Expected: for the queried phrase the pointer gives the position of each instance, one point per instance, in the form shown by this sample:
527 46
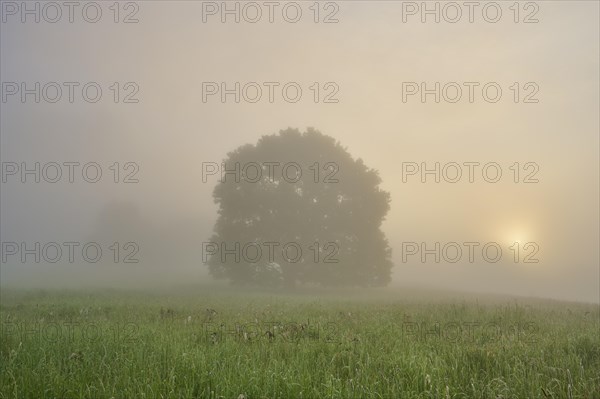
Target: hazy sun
519 235
518 238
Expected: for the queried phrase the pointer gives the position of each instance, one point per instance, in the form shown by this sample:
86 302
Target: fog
362 65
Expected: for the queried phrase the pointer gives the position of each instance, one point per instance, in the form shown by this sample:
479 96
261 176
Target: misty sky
368 55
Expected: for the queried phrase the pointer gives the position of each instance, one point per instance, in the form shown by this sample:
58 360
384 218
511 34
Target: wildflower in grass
76 356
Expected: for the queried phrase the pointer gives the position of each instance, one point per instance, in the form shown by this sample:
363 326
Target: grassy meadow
220 343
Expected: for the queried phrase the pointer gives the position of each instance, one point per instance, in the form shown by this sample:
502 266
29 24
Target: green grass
104 344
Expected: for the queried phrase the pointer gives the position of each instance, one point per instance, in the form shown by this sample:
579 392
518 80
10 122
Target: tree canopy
296 208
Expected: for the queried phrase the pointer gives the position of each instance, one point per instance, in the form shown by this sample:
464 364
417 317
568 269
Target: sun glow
520 235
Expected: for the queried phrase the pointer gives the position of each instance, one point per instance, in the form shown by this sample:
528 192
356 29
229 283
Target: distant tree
304 190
